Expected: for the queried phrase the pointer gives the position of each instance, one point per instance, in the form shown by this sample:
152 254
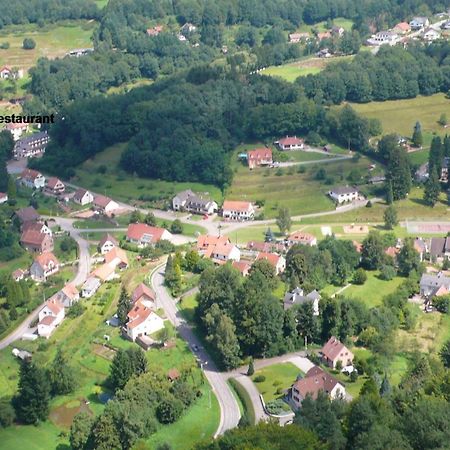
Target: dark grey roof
437 246
28 214
184 195
297 297
32 138
344 190
434 281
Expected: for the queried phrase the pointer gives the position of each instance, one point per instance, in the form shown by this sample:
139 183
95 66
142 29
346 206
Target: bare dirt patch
103 351
356 229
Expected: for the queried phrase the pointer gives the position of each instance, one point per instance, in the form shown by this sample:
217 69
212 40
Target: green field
302 193
322 26
399 116
51 41
278 376
301 68
373 290
122 186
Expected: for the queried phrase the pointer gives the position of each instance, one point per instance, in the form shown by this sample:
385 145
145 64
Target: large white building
344 194
237 210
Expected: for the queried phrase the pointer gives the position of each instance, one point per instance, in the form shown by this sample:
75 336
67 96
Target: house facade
334 351
259 157
17 129
32 179
55 186
31 146
107 243
276 261
193 203
290 143
104 205
237 210
316 380
83 197
44 266
344 194
218 248
142 321
50 316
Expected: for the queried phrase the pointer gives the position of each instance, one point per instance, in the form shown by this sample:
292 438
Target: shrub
76 310
4 45
360 276
169 410
176 227
102 169
28 44
7 413
259 379
387 272
353 376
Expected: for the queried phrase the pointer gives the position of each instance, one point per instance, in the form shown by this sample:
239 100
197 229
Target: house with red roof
145 295
67 296
243 267
333 351
44 266
55 186
35 241
144 235
117 257
314 381
238 210
300 237
142 321
277 261
154 31
32 179
218 248
104 205
402 28
259 157
290 143
50 316
17 129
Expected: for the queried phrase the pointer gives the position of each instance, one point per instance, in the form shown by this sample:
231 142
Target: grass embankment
245 399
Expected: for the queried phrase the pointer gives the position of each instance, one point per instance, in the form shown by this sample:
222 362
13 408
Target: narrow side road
229 409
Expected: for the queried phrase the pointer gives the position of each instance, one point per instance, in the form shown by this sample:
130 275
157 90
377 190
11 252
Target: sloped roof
32 237
300 236
290 140
79 194
272 258
137 230
314 381
115 254
233 205
53 182
30 174
45 258
70 290
142 290
27 214
108 237
102 201
332 348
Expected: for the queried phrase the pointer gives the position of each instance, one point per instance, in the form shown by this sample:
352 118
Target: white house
45 265
290 143
55 186
237 210
142 320
83 197
50 316
431 35
218 248
277 261
67 296
90 287
343 194
297 297
32 179
314 381
189 201
3 197
301 237
17 129
105 205
419 23
107 243
383 37
143 234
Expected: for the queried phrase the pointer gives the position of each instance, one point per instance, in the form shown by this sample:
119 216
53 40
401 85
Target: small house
297 297
343 194
334 351
107 243
32 179
238 210
142 321
193 203
90 287
276 261
144 235
36 242
117 257
83 197
104 205
419 23
55 186
300 237
68 295
290 143
259 157
218 248
50 316
145 295
44 266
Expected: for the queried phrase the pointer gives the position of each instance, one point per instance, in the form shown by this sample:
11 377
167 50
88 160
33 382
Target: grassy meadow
400 116
51 41
128 188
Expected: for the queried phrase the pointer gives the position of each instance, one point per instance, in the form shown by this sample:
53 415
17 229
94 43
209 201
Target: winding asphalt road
84 267
229 408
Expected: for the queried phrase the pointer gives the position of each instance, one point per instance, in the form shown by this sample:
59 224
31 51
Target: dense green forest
183 128
391 74
45 11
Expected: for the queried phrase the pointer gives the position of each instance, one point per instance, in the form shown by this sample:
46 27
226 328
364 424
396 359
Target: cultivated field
399 116
51 41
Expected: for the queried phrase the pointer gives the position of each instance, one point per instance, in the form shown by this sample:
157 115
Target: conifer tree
417 138
432 189
123 307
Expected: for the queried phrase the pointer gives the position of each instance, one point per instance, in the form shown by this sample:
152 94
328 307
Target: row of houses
31 146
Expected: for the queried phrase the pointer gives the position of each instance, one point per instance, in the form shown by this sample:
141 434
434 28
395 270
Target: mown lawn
128 188
51 41
278 376
187 306
373 290
399 116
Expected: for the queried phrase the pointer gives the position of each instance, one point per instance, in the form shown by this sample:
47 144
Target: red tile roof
116 253
290 140
53 182
45 258
47 320
137 230
332 348
30 174
54 306
32 237
273 258
70 291
242 266
232 205
315 380
259 154
142 290
299 236
102 201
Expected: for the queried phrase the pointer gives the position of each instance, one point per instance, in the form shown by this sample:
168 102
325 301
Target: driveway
229 409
